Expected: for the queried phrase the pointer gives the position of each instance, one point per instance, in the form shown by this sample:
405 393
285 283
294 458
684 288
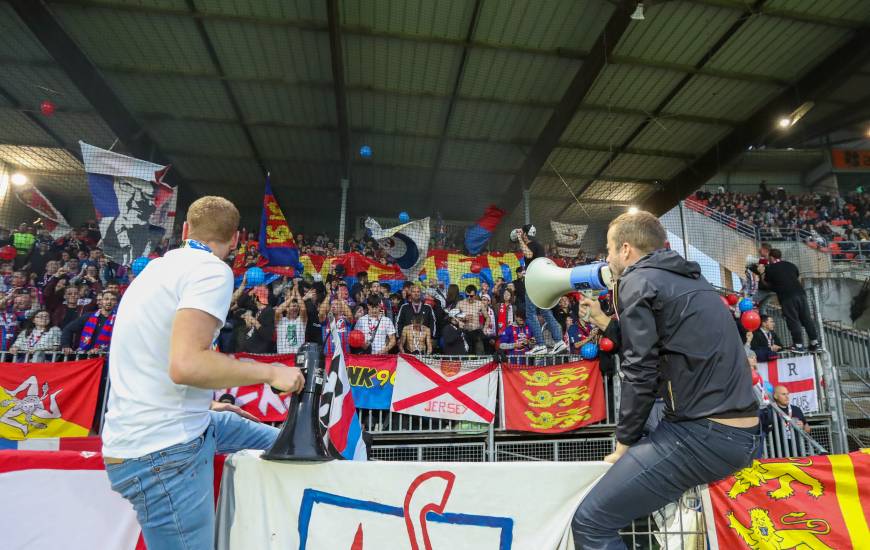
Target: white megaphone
546 282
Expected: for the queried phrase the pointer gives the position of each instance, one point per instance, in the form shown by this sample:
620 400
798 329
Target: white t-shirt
291 335
376 331
148 412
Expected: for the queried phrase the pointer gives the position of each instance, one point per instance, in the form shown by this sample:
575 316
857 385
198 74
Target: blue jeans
172 490
655 471
535 326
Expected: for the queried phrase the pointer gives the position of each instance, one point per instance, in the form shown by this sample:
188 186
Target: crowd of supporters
840 223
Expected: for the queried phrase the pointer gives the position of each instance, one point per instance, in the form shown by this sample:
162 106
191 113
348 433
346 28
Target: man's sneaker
814 346
540 349
559 347
798 348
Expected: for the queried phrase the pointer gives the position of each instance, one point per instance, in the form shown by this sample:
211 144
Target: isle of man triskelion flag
48 399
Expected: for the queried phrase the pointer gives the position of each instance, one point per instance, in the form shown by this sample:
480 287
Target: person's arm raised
192 362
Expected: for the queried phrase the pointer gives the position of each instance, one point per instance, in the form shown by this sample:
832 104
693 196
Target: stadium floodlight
633 210
784 122
637 15
796 115
18 178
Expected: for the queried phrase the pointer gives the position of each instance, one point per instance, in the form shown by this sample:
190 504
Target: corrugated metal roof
777 47
112 37
268 102
471 155
244 172
40 158
16 128
516 76
665 134
576 161
30 85
306 10
403 151
721 98
615 190
391 113
181 97
543 24
200 138
852 10
257 51
853 90
629 86
444 19
601 128
16 40
676 32
292 143
400 64
472 119
87 127
644 166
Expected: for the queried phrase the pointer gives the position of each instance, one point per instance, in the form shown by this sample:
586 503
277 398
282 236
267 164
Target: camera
528 229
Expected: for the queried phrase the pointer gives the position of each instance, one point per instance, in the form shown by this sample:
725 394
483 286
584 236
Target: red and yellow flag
552 399
816 503
48 399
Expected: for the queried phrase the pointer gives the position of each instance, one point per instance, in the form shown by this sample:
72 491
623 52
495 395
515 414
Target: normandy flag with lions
811 503
276 243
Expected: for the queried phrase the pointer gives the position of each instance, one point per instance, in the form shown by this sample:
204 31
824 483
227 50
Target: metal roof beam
830 72
231 96
87 78
574 94
784 13
338 86
451 104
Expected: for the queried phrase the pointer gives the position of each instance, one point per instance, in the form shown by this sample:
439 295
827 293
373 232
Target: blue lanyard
196 245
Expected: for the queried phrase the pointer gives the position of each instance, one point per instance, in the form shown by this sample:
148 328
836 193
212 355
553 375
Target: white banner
567 234
798 375
441 388
408 243
346 505
62 500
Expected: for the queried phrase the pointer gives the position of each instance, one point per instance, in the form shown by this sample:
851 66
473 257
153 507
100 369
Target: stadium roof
463 102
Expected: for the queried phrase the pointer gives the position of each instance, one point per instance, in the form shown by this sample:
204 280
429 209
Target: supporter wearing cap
452 339
259 323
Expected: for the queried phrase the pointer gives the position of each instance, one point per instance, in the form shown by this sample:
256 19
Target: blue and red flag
276 240
479 234
342 427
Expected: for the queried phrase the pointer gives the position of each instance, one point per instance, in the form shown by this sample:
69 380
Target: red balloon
733 299
725 301
356 339
606 345
475 268
47 107
8 252
750 320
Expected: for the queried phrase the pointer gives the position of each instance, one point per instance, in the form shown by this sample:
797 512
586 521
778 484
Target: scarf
103 338
504 317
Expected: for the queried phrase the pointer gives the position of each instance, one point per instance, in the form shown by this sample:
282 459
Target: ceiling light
784 122
633 210
18 178
637 15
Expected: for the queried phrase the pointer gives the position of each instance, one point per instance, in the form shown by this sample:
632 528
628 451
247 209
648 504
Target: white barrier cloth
347 505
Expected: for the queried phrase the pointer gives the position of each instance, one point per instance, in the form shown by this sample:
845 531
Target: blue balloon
254 276
139 264
404 217
746 304
589 351
603 293
365 151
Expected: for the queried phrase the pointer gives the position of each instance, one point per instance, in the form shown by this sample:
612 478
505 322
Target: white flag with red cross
443 388
798 375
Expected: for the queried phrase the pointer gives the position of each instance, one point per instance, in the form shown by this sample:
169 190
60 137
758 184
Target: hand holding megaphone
546 282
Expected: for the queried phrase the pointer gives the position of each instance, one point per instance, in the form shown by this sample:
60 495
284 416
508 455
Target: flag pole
345 183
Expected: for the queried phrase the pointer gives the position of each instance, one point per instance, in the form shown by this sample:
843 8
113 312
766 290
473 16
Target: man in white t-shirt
376 327
162 429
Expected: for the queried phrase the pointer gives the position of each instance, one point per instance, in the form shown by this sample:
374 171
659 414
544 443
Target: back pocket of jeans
179 455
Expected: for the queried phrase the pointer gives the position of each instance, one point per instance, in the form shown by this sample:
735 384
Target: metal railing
787 438
746 229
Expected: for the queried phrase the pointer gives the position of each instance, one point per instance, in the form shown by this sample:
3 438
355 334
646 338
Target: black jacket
760 346
783 278
678 341
406 317
454 342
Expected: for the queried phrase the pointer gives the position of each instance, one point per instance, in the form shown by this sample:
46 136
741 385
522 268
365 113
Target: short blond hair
213 219
641 230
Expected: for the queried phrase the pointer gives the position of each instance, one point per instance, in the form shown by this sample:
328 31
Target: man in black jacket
676 340
415 306
765 343
783 278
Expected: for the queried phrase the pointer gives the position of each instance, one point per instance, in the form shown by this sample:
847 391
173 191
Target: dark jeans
656 471
475 341
797 312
